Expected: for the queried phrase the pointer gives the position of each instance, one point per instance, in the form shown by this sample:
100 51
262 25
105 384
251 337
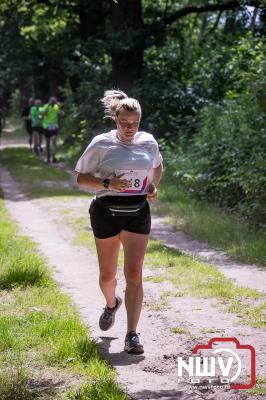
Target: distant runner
2 122
123 167
27 121
51 113
36 126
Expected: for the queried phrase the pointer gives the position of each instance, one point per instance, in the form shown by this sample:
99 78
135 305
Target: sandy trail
152 375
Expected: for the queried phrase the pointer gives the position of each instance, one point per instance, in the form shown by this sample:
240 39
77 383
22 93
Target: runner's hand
118 184
152 192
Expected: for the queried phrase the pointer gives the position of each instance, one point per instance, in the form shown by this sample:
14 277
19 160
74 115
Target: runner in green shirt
51 113
36 125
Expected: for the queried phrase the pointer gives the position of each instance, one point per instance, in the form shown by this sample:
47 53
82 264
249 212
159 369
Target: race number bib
138 179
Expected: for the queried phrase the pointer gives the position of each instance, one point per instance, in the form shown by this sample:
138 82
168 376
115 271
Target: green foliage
84 116
224 161
100 389
15 103
33 46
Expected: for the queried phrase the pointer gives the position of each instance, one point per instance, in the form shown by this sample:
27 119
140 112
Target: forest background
198 68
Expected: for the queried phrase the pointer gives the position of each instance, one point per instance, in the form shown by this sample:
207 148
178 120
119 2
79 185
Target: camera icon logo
222 361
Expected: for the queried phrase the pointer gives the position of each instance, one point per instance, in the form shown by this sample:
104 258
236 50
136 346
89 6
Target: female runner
123 167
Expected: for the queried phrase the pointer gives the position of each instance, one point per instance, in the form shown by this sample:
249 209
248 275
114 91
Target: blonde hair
114 100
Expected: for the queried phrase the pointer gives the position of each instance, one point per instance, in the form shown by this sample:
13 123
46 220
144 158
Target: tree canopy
191 64
47 42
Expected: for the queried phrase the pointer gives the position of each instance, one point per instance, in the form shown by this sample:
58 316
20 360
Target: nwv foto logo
224 363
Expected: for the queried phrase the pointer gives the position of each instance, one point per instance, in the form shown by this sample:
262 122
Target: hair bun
111 101
114 100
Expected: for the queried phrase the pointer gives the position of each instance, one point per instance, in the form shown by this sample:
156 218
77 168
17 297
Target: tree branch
216 23
229 5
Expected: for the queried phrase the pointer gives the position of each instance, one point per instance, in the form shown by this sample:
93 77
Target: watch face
105 183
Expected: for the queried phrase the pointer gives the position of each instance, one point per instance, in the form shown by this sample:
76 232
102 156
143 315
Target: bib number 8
137 178
135 183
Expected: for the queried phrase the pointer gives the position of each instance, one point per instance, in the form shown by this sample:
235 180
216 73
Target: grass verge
45 351
37 178
210 224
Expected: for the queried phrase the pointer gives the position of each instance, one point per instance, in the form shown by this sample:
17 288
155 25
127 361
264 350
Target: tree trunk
128 42
91 17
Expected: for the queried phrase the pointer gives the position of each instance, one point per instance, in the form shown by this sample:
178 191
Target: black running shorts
37 129
105 226
50 132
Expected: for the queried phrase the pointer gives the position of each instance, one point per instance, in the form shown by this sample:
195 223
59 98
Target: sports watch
105 183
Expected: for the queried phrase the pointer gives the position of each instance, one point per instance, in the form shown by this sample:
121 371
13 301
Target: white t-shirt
107 156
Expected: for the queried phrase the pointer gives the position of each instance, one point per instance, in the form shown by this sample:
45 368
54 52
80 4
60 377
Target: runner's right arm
90 181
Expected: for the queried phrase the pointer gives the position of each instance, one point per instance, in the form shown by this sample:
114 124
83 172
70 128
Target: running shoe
107 319
133 344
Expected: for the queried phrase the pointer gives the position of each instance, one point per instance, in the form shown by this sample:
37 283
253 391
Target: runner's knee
107 277
134 276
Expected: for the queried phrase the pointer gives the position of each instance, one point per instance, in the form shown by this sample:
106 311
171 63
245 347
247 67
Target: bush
224 163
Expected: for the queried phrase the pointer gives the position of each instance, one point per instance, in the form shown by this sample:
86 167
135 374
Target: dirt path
153 375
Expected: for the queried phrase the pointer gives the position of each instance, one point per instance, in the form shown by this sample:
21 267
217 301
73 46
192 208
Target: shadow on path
121 358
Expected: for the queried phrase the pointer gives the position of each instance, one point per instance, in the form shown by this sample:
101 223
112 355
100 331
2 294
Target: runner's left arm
157 173
152 191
